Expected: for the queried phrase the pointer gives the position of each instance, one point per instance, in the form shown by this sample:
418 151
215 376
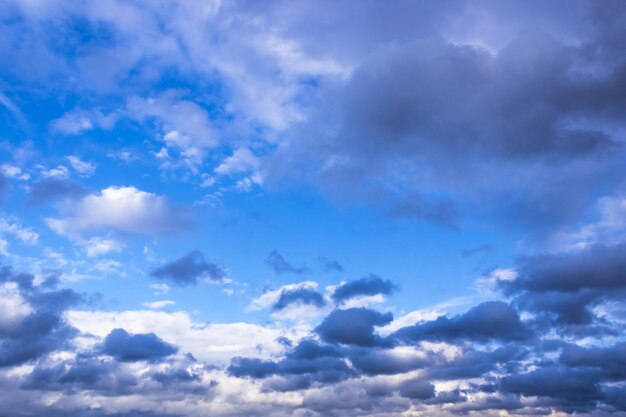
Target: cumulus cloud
136 347
122 209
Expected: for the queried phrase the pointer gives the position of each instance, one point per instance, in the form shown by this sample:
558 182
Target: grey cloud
278 263
299 296
330 265
41 331
189 269
136 347
52 189
369 285
354 326
493 320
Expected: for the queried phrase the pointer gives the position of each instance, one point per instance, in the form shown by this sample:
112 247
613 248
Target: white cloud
3 247
58 172
160 289
123 209
97 246
83 168
10 170
23 234
79 121
156 305
246 184
242 160
488 284
610 228
13 308
212 342
185 125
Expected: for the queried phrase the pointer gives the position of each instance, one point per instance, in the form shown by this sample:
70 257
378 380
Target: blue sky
312 208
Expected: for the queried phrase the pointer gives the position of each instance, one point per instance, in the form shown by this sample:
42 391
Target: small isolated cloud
278 263
242 160
127 347
122 209
156 305
189 269
160 289
83 168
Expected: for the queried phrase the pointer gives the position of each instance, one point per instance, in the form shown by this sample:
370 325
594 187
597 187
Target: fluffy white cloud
123 209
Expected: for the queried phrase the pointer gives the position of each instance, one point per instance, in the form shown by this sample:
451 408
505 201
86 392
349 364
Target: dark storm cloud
493 320
189 269
136 347
41 331
307 363
567 286
354 326
83 374
299 296
423 126
574 390
369 285
382 362
52 189
278 263
417 389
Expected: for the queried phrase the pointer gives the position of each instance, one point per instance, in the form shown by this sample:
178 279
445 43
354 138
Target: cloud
298 296
122 209
97 246
492 320
367 286
242 160
156 305
35 325
189 269
137 347
79 121
354 326
330 265
276 261
83 168
52 189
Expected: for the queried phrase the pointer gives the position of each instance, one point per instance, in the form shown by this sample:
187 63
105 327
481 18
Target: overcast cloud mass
312 208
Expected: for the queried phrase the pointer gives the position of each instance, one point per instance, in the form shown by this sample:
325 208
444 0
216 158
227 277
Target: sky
312 208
